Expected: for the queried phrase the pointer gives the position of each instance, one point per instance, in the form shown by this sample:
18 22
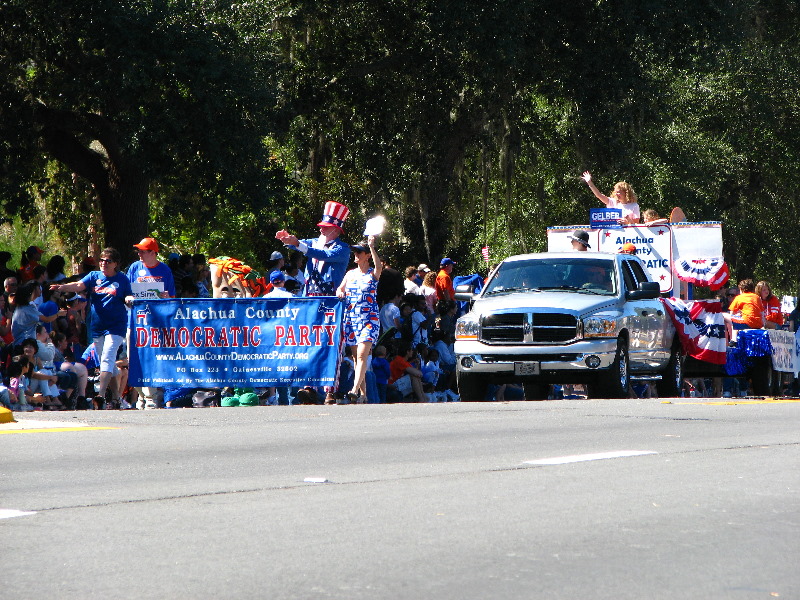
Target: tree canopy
214 123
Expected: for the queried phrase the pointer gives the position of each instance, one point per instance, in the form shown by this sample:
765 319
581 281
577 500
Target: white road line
8 513
562 460
33 424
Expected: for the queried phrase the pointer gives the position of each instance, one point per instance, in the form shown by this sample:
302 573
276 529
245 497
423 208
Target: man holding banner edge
328 257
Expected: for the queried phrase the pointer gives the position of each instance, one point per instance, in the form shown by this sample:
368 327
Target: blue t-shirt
139 273
107 296
382 369
48 309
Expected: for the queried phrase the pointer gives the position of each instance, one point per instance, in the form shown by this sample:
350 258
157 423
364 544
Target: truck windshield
595 275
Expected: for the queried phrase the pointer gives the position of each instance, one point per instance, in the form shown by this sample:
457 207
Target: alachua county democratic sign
653 247
246 342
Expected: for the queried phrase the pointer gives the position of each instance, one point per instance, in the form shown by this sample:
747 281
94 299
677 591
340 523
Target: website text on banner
234 341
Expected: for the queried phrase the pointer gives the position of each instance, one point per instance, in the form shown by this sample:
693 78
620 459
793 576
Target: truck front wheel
472 387
616 383
671 382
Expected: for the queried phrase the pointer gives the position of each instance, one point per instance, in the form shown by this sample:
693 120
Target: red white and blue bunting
709 272
700 327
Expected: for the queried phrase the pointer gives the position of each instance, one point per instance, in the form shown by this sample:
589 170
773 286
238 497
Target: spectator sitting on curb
406 378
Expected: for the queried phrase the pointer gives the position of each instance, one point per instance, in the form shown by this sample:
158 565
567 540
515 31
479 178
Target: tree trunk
125 209
120 184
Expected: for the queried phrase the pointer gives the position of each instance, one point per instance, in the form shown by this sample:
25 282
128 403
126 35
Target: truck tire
472 387
671 382
616 383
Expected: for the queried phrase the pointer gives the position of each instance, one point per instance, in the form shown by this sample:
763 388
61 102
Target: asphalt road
421 501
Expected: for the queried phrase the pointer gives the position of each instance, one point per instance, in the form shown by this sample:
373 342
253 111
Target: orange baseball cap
147 244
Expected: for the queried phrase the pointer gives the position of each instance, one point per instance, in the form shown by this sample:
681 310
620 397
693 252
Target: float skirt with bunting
247 342
700 327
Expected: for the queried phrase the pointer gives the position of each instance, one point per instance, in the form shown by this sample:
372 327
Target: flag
700 327
485 253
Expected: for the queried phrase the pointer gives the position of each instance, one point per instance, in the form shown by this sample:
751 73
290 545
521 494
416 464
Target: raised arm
587 177
376 260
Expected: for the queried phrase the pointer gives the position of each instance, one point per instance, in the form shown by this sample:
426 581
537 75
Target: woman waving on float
361 318
622 197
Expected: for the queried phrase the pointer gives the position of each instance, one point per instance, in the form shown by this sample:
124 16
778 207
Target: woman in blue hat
361 324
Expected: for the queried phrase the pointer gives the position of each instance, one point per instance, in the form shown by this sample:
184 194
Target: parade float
683 256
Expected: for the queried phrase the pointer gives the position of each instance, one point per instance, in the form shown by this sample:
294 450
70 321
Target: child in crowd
347 371
431 369
18 371
650 217
45 365
382 371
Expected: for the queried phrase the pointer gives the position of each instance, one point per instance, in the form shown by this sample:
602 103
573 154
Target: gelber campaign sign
253 342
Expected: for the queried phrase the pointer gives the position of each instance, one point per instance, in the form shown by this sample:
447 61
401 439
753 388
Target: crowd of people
64 336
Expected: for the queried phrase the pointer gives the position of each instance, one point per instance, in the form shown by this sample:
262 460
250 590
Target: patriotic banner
711 272
700 327
485 253
243 342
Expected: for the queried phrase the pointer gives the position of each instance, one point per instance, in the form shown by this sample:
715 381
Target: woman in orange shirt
747 310
772 306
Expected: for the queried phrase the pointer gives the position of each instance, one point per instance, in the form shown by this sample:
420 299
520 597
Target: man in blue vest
327 255
327 259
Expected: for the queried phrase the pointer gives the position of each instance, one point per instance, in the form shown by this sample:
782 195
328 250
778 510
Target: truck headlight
598 327
467 328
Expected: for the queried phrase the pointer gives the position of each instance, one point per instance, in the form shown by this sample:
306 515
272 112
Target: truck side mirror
465 292
648 290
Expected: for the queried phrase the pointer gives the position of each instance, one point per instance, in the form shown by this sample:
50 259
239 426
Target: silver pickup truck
578 317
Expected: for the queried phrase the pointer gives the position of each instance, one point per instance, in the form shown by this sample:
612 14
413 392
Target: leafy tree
132 93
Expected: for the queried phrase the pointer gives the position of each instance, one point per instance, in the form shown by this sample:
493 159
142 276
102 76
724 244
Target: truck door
652 319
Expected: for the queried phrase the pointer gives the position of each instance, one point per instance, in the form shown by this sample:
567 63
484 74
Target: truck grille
528 328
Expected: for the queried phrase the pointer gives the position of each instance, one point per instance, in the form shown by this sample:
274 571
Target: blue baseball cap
446 262
276 276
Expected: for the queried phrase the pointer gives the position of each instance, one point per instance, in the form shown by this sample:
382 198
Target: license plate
526 368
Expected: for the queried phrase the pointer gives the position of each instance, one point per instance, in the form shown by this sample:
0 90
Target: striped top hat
335 214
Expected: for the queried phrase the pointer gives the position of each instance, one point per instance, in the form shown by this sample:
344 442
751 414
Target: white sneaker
124 404
149 405
140 404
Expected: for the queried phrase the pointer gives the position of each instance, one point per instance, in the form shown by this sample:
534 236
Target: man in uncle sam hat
327 255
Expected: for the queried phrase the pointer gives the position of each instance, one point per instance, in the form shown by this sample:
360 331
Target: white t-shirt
279 292
628 210
420 331
411 287
389 313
